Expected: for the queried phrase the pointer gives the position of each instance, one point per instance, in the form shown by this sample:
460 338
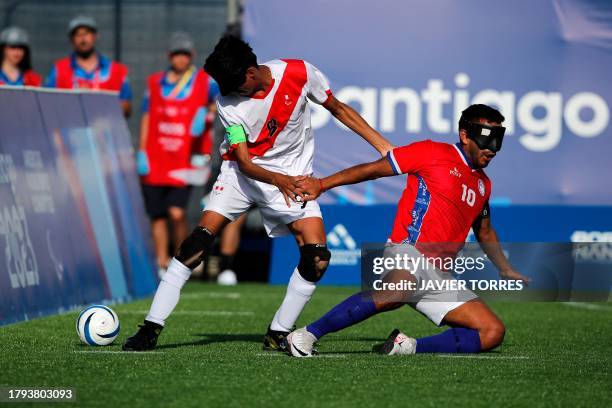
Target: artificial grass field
210 355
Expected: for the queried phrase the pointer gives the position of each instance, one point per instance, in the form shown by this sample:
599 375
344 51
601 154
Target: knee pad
314 259
197 245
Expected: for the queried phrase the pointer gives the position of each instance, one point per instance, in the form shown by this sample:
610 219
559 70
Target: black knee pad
314 259
197 245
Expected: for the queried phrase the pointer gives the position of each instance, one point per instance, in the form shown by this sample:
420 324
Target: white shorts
432 303
233 194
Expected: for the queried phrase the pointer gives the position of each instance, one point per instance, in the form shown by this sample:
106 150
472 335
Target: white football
227 278
97 325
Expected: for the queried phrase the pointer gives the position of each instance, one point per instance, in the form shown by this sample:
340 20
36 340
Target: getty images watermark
415 265
556 271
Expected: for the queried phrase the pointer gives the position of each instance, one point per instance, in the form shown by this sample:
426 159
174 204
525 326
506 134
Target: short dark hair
228 63
478 111
26 61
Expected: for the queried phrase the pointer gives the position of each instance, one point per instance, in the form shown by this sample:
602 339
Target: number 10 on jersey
468 195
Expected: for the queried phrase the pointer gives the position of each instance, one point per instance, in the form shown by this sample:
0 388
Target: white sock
299 292
168 292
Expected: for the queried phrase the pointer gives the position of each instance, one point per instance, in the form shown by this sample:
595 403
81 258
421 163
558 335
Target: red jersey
443 197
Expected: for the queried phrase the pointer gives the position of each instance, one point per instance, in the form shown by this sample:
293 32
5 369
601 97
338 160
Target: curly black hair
480 111
228 63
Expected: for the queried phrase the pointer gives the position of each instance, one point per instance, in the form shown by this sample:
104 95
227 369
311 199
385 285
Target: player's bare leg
309 235
180 228
159 229
229 241
189 255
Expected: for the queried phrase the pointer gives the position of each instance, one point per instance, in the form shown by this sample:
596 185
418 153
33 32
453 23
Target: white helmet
14 36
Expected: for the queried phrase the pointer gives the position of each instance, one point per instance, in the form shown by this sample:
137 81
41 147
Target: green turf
553 355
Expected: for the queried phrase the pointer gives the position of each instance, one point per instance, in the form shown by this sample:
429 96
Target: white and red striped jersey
277 124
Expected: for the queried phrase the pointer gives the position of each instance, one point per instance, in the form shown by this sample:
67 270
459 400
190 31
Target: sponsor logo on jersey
455 172
272 127
342 247
481 187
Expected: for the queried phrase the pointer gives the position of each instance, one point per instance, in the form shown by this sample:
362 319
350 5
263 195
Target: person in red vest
175 141
86 68
15 59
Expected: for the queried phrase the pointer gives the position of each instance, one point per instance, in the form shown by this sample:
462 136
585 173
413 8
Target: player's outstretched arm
314 187
288 185
351 119
487 237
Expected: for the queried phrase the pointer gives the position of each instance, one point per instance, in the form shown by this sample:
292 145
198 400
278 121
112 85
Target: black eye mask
486 137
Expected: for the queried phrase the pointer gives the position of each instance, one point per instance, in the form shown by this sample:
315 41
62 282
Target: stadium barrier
73 229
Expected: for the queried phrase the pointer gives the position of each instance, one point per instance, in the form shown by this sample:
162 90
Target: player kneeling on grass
269 142
446 194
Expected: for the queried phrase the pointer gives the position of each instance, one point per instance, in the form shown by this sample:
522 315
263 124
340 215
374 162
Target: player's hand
386 149
311 187
142 163
288 186
511 274
200 160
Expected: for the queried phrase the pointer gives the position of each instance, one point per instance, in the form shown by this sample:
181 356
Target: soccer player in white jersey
268 149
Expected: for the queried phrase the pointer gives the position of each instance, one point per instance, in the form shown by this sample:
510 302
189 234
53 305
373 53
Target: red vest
170 143
30 78
67 80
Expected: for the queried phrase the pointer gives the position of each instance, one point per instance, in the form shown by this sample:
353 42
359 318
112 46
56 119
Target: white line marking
588 306
275 354
483 356
138 353
214 295
196 312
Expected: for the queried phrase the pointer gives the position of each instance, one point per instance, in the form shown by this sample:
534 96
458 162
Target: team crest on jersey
455 172
481 187
218 189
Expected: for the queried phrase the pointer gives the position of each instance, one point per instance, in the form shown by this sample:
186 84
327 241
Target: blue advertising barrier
410 67
350 226
72 223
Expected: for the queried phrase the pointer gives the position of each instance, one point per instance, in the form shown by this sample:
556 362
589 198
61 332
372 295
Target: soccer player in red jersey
446 194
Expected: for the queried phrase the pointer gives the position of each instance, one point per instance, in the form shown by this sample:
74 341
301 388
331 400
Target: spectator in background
229 242
85 68
16 59
175 141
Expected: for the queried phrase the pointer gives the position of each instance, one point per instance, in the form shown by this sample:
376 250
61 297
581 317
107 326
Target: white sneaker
301 343
227 278
398 343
